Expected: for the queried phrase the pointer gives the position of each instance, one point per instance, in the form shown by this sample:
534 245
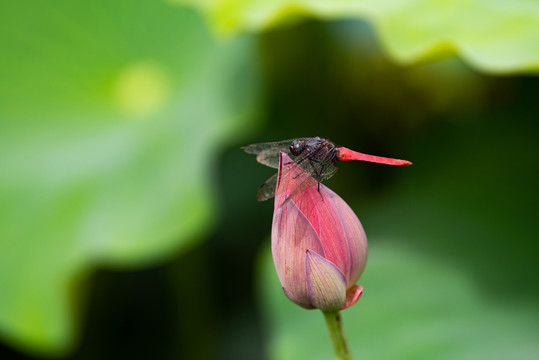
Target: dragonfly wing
293 181
303 176
268 153
320 164
267 189
328 171
269 158
268 146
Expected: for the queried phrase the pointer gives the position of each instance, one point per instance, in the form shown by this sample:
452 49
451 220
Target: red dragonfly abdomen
344 154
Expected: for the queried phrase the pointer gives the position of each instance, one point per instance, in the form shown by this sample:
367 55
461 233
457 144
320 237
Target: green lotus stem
336 333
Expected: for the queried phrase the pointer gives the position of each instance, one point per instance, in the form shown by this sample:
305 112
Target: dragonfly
316 156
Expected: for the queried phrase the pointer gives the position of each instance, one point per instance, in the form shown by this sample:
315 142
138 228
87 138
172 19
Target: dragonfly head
297 147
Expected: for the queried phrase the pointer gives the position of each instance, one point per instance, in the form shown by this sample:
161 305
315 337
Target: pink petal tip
352 296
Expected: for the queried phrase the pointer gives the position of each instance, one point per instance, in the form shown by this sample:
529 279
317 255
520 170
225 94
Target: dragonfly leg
320 192
299 161
318 174
315 171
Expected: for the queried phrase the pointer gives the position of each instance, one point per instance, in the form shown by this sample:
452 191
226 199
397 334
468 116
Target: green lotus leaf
494 36
110 115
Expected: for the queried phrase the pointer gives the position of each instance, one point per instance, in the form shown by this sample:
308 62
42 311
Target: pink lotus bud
318 244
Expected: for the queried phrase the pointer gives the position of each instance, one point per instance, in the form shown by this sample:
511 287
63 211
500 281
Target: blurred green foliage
120 124
497 36
111 113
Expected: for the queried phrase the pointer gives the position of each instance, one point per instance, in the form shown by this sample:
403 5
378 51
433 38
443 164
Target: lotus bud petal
326 285
319 247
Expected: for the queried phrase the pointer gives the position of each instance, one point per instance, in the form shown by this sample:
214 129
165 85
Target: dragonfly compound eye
296 147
